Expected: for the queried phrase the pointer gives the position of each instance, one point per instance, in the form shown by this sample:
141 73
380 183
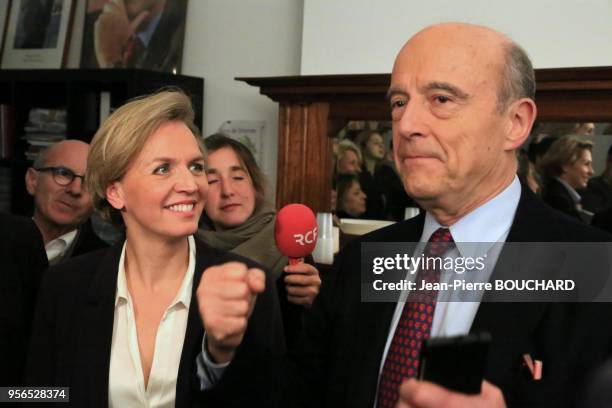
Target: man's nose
411 123
76 187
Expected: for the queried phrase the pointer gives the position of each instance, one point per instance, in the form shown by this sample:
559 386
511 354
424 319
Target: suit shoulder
77 269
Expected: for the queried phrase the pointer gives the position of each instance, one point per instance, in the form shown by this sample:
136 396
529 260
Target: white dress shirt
126 380
56 248
486 225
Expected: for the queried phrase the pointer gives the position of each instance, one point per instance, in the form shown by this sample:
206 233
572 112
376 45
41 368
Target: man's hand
303 283
424 394
112 31
226 297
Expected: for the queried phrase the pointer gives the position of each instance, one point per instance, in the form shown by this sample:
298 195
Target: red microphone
295 231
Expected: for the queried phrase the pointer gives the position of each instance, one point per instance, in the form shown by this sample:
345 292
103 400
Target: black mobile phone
457 363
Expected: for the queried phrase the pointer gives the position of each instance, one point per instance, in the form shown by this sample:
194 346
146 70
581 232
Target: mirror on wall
365 181
555 158
366 184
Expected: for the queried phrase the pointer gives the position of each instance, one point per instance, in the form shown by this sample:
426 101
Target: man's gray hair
518 77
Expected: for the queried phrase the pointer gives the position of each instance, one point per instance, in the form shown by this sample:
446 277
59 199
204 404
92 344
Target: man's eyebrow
395 90
445 86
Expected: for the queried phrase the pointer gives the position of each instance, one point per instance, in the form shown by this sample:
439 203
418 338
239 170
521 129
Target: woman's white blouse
126 380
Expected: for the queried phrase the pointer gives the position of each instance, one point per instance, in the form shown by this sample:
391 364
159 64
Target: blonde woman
124 327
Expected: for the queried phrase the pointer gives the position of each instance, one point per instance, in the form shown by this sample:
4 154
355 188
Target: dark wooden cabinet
79 92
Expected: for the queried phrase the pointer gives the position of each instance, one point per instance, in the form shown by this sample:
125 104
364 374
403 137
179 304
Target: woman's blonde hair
566 150
123 135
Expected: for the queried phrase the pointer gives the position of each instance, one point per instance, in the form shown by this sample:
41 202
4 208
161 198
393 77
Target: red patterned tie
414 326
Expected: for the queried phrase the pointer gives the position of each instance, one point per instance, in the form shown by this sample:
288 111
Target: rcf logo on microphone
307 238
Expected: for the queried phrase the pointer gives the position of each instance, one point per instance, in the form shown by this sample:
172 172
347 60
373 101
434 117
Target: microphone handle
295 261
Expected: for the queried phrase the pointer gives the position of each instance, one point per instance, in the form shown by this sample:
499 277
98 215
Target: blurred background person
240 220
348 158
526 172
584 129
23 262
598 194
372 148
351 200
134 34
567 167
131 334
396 199
62 203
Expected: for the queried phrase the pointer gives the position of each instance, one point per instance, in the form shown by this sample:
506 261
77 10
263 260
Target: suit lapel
503 322
97 332
374 321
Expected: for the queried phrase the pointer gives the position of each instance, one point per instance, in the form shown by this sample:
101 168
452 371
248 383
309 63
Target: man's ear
521 115
114 195
31 180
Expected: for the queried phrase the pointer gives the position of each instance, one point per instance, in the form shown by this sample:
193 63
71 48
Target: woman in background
567 167
121 326
240 220
351 200
371 180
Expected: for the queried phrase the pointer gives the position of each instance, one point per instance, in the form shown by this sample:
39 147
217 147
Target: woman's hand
226 297
303 283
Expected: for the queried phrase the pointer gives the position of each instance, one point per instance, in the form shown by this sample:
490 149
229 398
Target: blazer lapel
97 332
187 382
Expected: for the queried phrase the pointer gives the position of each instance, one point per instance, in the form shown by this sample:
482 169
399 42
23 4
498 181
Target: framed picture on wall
134 34
37 34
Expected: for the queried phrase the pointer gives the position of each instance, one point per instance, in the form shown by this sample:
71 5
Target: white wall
231 38
363 36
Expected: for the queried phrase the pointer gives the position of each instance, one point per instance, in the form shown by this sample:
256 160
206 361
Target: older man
62 205
461 98
462 102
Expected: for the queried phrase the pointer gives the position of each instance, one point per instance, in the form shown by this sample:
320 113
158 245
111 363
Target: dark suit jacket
556 195
165 49
72 334
23 259
603 219
85 241
338 360
597 196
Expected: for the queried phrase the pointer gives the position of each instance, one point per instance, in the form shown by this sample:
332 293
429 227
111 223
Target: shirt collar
573 193
486 224
183 295
58 246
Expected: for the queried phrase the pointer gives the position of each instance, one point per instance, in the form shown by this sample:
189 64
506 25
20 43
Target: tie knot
441 235
439 242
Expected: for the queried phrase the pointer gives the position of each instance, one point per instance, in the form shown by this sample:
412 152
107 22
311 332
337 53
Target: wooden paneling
304 156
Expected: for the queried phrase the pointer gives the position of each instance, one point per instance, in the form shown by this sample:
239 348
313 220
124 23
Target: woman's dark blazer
73 326
556 195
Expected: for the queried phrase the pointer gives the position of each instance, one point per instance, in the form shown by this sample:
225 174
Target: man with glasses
62 204
58 230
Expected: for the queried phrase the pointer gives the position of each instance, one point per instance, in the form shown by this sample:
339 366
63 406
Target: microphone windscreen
295 231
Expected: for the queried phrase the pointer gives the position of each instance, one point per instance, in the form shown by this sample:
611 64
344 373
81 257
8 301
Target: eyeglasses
62 175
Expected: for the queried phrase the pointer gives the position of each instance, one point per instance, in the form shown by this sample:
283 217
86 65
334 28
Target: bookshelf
85 94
